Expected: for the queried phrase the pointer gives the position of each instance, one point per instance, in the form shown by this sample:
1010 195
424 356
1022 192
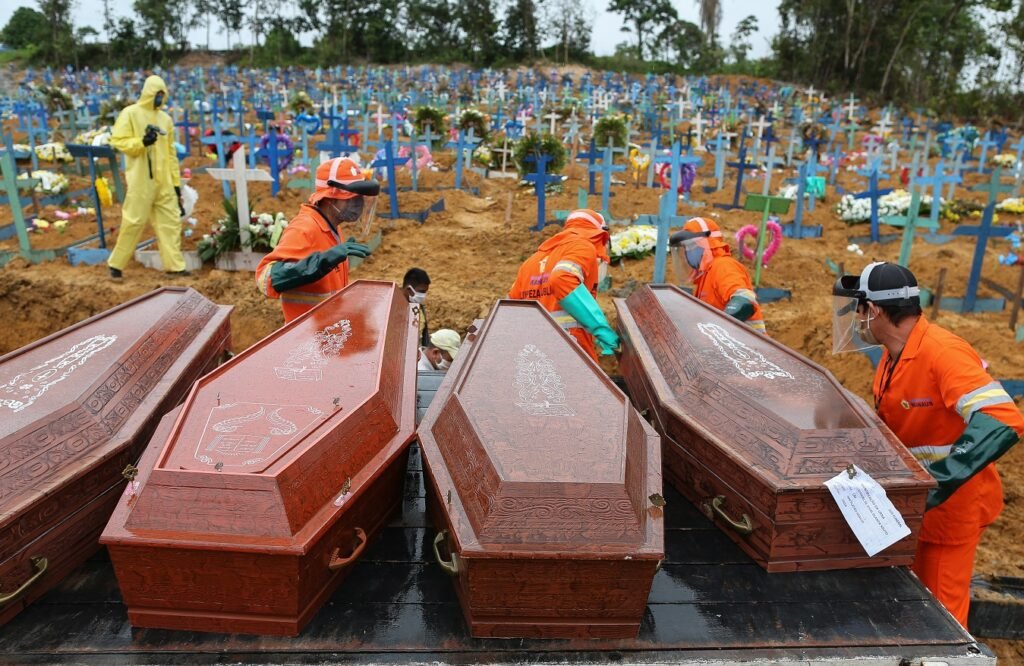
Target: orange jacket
562 263
308 232
935 386
720 282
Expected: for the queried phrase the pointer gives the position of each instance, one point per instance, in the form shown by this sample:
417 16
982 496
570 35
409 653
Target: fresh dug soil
473 248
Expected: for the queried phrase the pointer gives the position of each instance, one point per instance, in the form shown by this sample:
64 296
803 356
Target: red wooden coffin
283 464
751 430
76 408
545 483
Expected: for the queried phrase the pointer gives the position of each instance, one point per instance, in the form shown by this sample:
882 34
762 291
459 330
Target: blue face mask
694 255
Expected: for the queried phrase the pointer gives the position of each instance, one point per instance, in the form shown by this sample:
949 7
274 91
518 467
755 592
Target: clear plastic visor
684 271
848 325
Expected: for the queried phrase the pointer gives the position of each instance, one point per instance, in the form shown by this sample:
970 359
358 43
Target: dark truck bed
709 604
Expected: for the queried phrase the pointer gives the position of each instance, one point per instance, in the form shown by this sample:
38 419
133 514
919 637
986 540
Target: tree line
961 55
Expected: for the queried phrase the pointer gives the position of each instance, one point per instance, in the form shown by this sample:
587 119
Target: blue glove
580 304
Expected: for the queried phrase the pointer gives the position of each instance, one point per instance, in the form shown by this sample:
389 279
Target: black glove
181 207
149 138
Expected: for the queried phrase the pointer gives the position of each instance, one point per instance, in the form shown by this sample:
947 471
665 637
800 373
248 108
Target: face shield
851 318
360 210
691 256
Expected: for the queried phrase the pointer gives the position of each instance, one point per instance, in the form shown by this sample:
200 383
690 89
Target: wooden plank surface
709 601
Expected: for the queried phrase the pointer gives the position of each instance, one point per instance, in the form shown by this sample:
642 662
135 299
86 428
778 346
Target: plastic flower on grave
50 183
1005 160
103 191
60 225
41 224
53 152
1013 205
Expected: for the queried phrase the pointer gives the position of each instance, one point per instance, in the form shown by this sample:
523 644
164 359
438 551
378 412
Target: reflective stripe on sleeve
264 280
747 294
565 320
989 394
757 325
926 455
569 267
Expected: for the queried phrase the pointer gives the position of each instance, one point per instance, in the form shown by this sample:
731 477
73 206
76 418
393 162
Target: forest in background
960 57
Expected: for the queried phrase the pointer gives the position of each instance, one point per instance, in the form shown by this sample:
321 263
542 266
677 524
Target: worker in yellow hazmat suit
145 134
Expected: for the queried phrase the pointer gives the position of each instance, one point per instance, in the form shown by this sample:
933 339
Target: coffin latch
40 564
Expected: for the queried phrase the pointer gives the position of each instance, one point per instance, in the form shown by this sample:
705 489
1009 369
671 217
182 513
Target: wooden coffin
751 430
545 484
283 464
76 408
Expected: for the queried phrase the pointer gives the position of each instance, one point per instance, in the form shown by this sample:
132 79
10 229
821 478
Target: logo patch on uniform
917 402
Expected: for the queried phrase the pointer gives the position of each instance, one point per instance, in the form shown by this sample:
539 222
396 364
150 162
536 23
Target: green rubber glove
740 308
983 442
584 309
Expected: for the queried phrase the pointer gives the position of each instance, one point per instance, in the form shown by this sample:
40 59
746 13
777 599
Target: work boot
176 273
115 273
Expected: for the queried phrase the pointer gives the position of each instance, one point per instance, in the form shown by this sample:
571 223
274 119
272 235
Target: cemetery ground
473 248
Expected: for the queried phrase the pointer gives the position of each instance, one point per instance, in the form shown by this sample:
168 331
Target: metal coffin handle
451 567
339 562
40 564
745 526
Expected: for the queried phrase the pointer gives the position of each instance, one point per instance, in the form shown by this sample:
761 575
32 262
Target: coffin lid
784 416
533 446
278 439
65 399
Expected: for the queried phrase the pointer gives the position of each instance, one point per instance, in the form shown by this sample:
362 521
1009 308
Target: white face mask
443 364
418 297
863 328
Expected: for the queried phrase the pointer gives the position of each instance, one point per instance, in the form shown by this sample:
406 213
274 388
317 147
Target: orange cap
341 169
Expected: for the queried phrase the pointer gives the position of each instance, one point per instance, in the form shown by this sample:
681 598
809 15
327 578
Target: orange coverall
560 264
308 232
933 389
720 282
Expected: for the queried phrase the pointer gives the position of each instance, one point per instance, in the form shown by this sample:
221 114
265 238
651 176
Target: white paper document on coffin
871 515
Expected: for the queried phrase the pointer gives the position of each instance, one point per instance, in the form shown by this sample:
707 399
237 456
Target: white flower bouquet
635 242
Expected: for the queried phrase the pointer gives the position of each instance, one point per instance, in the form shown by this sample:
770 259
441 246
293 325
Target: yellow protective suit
152 175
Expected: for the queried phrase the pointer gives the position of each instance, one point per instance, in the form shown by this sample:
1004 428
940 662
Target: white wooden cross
884 126
504 151
241 176
553 117
683 104
761 125
810 92
501 88
380 116
851 106
698 125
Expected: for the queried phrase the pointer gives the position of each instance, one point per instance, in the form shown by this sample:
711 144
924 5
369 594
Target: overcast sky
606 25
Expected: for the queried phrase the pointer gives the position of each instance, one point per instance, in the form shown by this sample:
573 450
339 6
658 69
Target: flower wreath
286 150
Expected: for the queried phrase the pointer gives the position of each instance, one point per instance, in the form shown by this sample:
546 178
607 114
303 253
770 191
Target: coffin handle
745 526
40 564
339 562
451 567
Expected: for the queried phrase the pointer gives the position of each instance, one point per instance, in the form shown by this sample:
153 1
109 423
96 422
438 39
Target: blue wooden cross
272 153
186 127
665 220
721 147
591 155
335 144
467 141
970 302
389 162
873 193
985 144
741 167
252 145
540 179
92 153
607 167
936 181
222 142
796 228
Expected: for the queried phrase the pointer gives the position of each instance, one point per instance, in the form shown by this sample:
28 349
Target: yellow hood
153 85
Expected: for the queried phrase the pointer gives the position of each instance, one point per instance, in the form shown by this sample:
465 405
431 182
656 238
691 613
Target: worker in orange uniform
562 275
931 388
310 262
718 279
